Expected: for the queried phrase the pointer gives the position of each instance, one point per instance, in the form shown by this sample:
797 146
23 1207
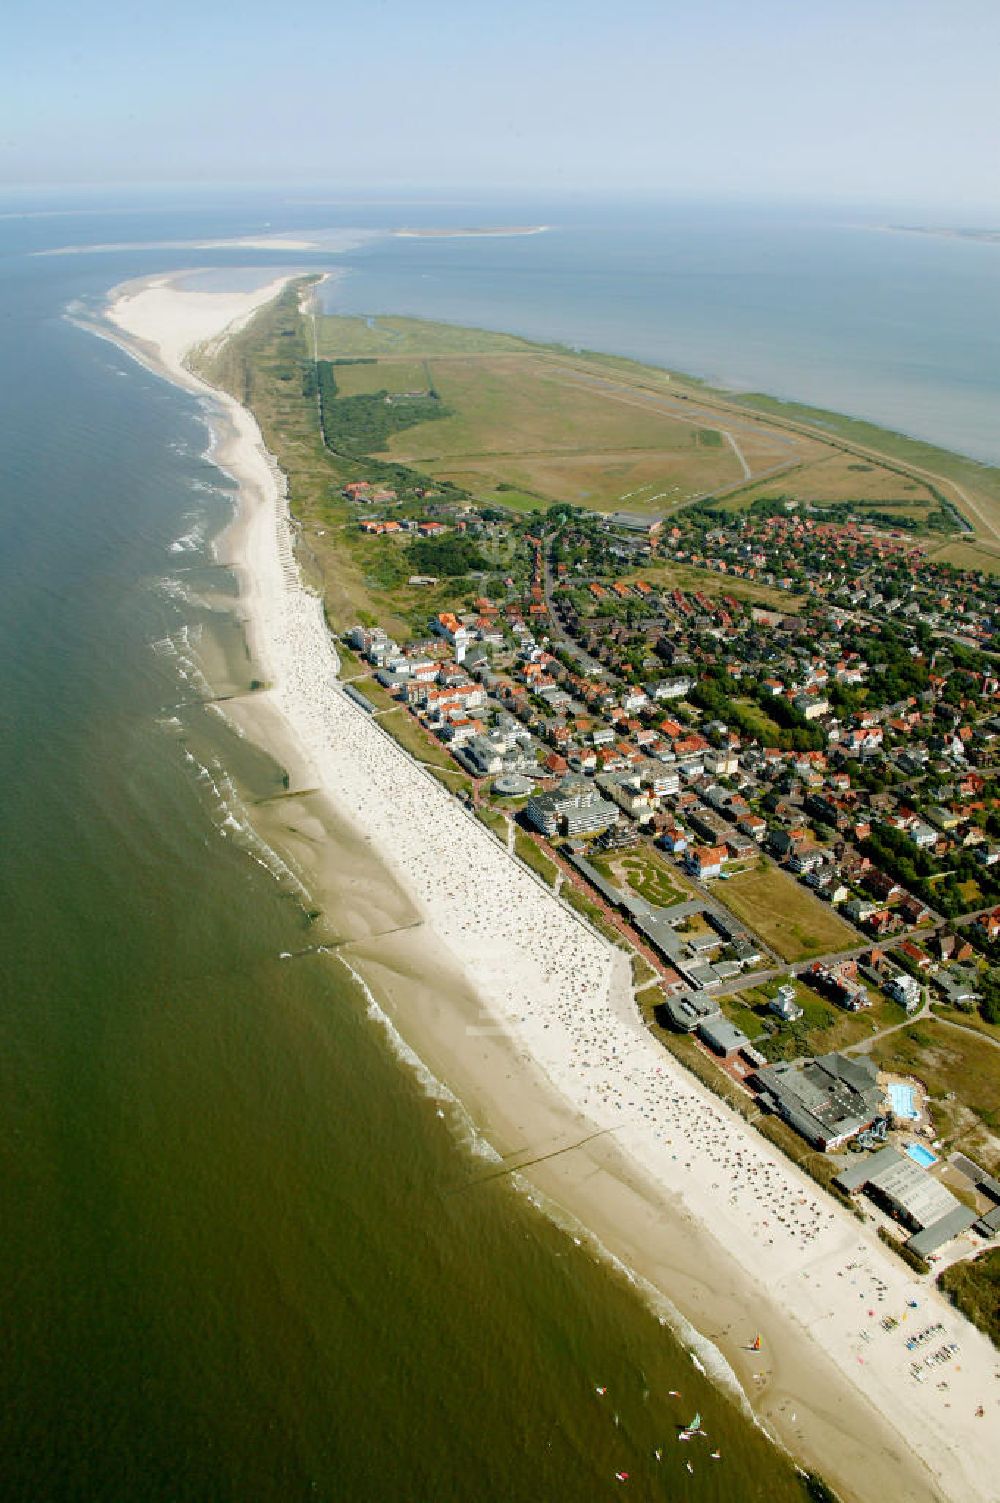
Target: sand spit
486 232
676 1185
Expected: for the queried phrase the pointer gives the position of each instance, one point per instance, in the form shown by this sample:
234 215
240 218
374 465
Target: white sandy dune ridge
555 987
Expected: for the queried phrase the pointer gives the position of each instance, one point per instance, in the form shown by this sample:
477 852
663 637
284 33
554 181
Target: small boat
600 1391
694 1428
674 1393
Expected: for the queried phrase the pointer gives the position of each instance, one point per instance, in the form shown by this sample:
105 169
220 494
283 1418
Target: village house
705 862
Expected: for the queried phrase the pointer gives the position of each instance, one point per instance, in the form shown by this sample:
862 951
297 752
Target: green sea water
248 1251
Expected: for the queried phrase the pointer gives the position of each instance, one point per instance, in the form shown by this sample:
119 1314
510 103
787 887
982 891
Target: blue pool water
902 1101
920 1155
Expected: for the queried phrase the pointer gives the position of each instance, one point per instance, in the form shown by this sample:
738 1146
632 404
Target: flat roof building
687 1009
827 1100
576 804
721 1036
912 1195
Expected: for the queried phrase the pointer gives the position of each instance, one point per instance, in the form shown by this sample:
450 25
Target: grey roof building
687 1009
913 1196
721 1036
827 1100
576 804
989 1225
952 1224
512 785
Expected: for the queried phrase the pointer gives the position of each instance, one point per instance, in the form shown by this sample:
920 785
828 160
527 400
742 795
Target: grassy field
418 742
975 1288
265 366
973 487
822 1027
982 557
516 419
556 425
350 663
712 583
453 779
837 478
786 915
642 971
268 366
827 456
532 855
603 432
384 375
962 1076
757 723
589 910
493 820
509 497
339 338
973 1019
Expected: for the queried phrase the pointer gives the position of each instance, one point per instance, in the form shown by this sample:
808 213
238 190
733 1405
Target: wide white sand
554 988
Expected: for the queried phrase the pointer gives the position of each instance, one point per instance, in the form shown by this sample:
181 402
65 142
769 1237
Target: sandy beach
528 1015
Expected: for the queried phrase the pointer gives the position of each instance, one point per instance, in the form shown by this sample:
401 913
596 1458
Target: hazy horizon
72 199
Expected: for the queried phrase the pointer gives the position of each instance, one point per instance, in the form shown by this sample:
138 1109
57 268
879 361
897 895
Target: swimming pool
902 1101
920 1155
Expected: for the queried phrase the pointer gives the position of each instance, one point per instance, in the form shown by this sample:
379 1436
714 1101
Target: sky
860 101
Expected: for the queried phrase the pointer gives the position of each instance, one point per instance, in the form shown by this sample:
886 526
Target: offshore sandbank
510 999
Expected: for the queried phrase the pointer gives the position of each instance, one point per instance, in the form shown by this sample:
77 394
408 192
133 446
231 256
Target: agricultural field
786 915
962 1076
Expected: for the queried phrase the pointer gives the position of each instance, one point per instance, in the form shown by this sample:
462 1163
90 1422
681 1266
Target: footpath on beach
551 984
